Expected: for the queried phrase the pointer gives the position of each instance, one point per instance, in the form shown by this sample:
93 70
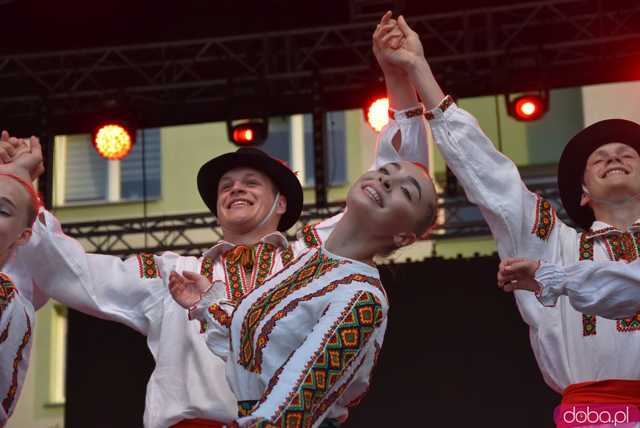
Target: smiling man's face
612 173
245 197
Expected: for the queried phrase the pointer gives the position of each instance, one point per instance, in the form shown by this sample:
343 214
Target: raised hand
187 289
11 147
518 274
30 159
404 52
387 36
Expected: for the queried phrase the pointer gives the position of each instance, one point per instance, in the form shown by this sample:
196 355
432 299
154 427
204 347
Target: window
57 354
291 140
87 177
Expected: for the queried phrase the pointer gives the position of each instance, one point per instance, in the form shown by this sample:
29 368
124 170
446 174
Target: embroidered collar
601 229
276 239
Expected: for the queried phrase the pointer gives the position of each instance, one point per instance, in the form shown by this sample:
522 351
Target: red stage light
528 107
112 141
243 136
378 113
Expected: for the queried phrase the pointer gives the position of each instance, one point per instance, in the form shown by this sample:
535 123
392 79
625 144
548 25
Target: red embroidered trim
219 315
267 329
545 219
408 114
316 266
13 389
5 334
206 268
443 106
338 350
148 268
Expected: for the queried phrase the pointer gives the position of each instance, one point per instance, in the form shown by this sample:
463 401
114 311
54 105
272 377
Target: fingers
192 276
393 33
404 27
4 136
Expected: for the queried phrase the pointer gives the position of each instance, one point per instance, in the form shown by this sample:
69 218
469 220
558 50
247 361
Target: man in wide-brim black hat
582 356
251 194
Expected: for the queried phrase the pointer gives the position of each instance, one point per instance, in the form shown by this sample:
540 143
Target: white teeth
373 194
239 203
616 171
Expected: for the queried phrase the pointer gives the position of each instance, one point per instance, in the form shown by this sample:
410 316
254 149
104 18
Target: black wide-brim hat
248 157
574 160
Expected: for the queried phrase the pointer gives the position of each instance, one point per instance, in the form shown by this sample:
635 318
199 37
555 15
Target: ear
282 205
584 199
24 237
403 239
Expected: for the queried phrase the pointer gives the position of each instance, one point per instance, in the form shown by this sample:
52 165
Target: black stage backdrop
456 354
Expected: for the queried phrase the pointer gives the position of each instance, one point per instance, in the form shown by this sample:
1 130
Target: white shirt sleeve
608 288
413 140
214 313
99 285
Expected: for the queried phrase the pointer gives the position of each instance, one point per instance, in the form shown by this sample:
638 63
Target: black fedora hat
574 160
283 178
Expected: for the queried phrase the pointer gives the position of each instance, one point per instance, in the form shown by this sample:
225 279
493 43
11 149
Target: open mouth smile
374 195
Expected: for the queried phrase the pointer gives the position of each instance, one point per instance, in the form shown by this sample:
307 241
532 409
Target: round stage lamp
528 107
112 141
378 113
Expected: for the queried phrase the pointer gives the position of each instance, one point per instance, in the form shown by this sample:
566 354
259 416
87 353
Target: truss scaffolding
524 46
192 234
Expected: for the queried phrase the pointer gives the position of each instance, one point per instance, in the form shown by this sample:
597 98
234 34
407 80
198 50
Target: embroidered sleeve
214 312
99 285
339 353
608 288
522 223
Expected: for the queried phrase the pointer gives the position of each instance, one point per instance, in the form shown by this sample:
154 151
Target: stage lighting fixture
248 133
113 140
528 107
377 113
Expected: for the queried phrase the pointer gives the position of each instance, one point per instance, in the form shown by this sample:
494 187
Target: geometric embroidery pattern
629 324
310 236
443 106
206 268
148 267
588 325
586 253
287 256
265 260
418 111
545 219
7 291
244 262
13 389
619 246
338 350
315 267
267 329
219 315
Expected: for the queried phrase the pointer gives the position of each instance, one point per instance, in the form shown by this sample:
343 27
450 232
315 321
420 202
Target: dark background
456 354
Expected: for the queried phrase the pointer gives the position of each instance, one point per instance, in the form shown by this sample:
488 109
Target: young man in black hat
255 198
584 357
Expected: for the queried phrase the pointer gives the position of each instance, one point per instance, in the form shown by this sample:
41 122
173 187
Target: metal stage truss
192 234
524 46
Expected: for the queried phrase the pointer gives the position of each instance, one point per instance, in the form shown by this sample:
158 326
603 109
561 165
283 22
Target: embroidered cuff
199 310
551 279
439 110
406 114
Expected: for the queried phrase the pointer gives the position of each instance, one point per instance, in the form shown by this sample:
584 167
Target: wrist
418 66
